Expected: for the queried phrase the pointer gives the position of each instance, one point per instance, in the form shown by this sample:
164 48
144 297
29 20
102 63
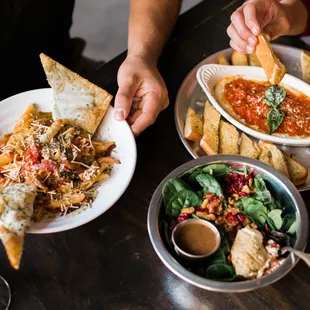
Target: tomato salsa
247 99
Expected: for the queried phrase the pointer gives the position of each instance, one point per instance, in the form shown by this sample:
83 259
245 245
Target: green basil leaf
274 95
274 119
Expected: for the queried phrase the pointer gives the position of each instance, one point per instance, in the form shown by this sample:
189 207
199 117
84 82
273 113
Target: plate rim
187 78
72 224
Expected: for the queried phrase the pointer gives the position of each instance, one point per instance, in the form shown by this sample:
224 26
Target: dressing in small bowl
195 239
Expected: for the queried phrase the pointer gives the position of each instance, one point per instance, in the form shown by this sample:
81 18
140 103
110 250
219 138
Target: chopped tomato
32 155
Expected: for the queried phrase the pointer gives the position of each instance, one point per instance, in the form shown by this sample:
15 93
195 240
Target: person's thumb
124 98
273 31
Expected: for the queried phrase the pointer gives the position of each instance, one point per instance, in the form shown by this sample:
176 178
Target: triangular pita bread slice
16 211
75 98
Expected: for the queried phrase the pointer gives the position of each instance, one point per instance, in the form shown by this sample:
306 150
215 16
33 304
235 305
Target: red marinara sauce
247 99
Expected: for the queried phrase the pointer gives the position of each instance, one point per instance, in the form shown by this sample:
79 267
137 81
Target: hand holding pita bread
274 18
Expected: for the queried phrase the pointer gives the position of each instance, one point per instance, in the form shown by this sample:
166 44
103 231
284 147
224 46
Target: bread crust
272 66
210 139
61 79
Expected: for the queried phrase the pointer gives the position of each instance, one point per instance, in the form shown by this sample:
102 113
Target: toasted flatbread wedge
248 147
17 209
298 173
239 59
272 66
254 61
210 139
75 98
193 129
221 60
265 156
277 158
305 66
229 138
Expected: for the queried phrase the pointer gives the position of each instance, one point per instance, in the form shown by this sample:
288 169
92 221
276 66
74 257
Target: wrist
144 57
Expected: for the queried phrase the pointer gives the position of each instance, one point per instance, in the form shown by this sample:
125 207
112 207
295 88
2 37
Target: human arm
150 25
272 17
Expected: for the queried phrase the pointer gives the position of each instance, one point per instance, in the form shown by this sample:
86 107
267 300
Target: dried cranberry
232 219
241 217
250 175
267 228
182 217
243 194
241 181
199 209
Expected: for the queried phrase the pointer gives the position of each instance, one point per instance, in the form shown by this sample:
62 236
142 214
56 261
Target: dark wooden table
110 263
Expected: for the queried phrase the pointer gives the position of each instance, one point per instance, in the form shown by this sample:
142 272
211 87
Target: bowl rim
243 286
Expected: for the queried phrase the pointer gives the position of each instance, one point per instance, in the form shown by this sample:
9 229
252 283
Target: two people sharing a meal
26 29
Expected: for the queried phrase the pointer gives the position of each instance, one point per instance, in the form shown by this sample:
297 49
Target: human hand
274 19
142 94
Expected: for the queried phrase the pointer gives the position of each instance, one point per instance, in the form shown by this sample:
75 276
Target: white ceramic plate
110 130
209 75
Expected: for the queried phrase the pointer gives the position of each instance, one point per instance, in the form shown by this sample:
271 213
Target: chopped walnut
254 226
190 210
229 259
231 201
246 222
206 216
228 228
250 182
246 189
236 197
220 220
233 210
205 204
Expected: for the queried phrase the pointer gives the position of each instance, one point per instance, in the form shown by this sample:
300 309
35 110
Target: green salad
254 226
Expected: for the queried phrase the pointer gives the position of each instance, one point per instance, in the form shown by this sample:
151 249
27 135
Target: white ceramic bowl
209 75
110 130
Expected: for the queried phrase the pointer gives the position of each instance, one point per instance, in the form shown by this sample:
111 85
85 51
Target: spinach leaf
209 184
274 95
274 119
293 228
172 186
289 224
220 256
192 176
262 193
255 209
217 263
182 199
218 170
276 217
221 271
167 234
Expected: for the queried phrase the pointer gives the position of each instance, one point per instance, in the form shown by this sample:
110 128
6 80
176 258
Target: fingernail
119 114
251 41
249 49
255 31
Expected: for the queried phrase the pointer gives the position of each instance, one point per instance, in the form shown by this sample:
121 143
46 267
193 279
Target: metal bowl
282 189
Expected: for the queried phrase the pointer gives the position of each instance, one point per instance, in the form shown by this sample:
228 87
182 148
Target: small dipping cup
179 228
